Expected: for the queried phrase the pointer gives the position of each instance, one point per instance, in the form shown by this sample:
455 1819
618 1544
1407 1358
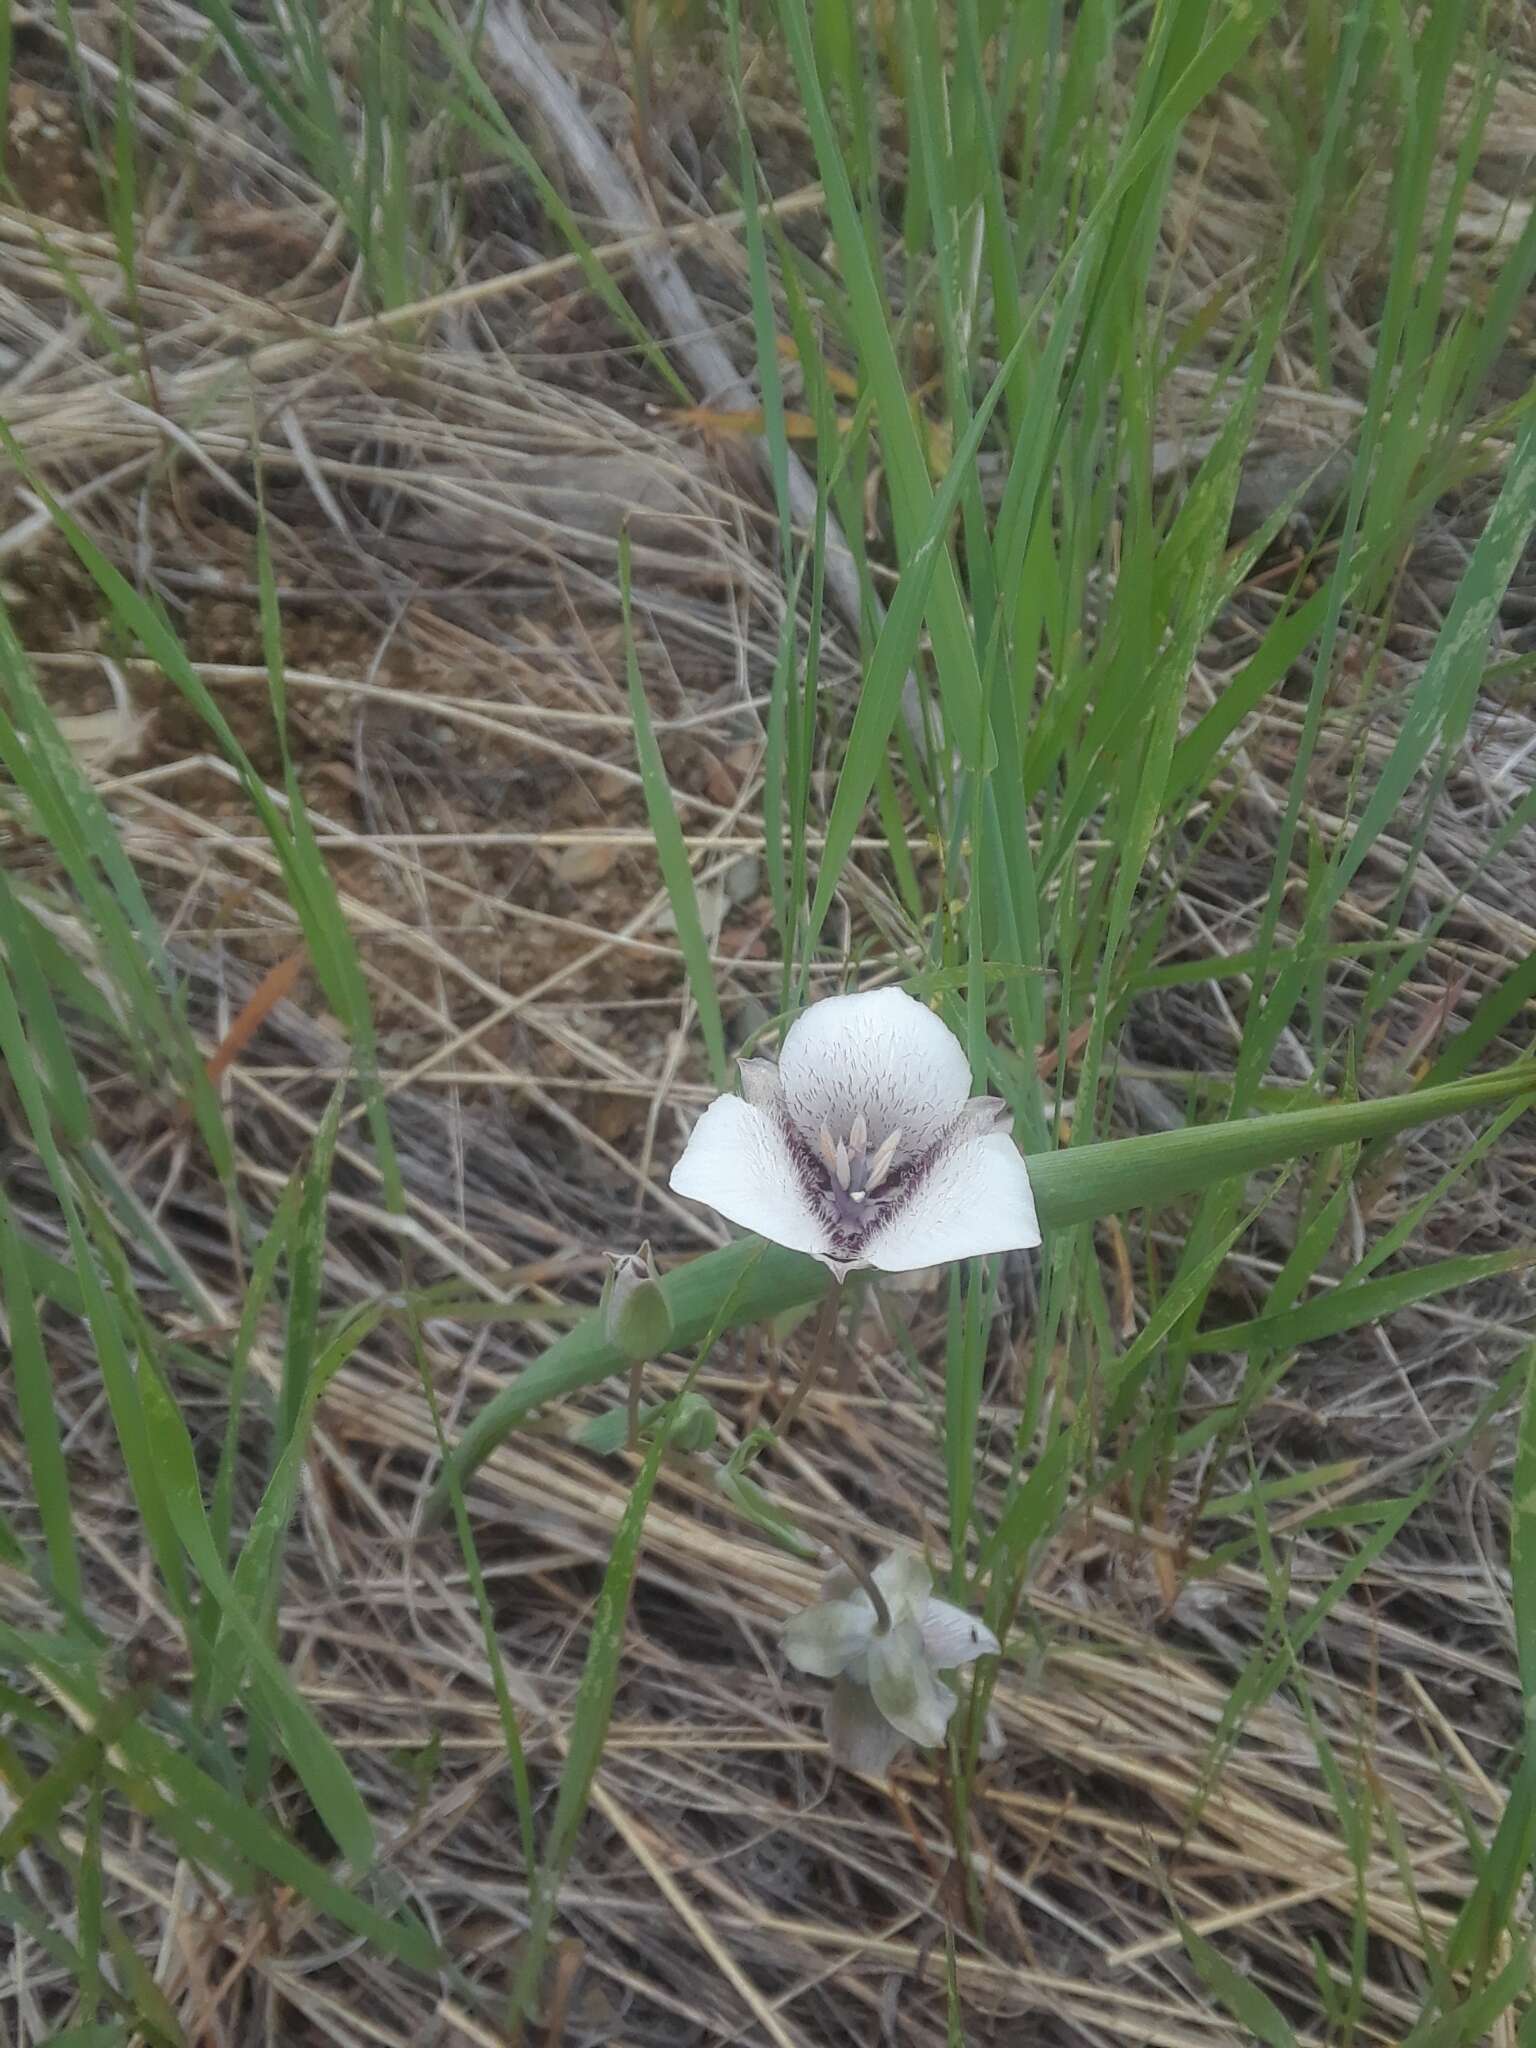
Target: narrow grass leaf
1259 2016
48 1475
206 1822
1367 1301
1083 1182
593 1707
671 847
1482 1923
891 663
313 1756
39 1812
1496 1012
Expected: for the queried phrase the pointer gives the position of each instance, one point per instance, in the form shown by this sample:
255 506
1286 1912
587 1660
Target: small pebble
580 865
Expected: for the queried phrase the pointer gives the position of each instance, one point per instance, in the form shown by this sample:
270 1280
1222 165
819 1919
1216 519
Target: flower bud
694 1429
636 1319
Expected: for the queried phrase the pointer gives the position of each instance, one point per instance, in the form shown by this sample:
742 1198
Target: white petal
974 1197
905 1689
951 1637
824 1639
738 1160
906 1583
858 1734
882 1053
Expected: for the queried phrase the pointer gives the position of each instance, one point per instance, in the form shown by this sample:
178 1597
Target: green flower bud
694 1429
636 1319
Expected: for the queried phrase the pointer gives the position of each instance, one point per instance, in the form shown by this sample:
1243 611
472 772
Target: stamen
882 1162
828 1149
841 1166
858 1136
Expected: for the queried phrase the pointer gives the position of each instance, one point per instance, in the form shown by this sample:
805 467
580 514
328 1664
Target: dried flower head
863 1146
888 1691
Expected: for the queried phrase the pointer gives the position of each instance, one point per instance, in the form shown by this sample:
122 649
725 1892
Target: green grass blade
258 1569
48 1474
260 1282
1088 1181
314 1757
593 1707
671 847
1368 1301
206 1822
906 459
1496 1013
1481 1925
1259 2016
308 1274
39 1812
891 663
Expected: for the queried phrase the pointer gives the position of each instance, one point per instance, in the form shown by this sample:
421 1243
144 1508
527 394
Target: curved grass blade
756 1287
1072 1186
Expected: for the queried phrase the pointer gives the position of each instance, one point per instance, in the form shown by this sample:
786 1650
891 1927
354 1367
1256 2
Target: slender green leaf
1366 1301
1259 2016
671 848
310 1751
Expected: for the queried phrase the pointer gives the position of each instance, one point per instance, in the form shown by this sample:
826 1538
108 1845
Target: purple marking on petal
852 1215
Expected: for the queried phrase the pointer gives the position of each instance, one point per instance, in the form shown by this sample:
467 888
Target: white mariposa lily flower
862 1146
888 1691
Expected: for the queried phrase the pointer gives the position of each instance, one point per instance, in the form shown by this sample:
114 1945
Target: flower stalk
822 1343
